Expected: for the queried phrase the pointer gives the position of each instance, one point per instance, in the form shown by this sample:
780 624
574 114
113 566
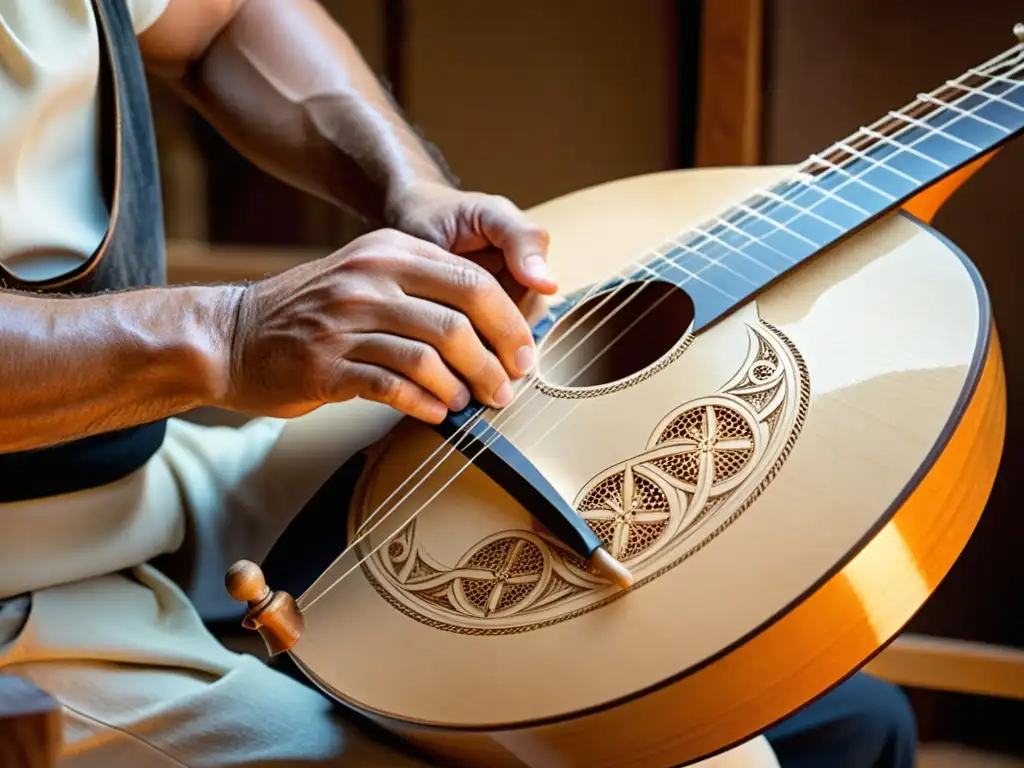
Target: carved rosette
705 463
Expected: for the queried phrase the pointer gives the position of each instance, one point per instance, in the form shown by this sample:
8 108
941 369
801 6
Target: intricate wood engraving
704 464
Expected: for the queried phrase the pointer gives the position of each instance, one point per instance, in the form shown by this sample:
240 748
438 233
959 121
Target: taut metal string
711 262
692 275
829 194
306 604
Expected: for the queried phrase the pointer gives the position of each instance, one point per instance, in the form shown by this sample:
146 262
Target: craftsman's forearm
74 367
288 88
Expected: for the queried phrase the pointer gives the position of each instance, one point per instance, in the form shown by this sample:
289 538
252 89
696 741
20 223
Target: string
466 428
512 416
307 604
901 147
524 388
638 291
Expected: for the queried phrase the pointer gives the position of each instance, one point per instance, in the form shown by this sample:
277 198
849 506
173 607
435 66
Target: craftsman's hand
489 229
389 318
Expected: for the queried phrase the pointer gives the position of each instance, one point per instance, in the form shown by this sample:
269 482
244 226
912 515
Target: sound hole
615 334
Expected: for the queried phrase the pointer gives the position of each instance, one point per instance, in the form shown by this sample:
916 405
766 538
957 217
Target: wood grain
729 123
29 725
879 409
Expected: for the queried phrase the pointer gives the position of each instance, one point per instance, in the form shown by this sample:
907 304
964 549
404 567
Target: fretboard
727 260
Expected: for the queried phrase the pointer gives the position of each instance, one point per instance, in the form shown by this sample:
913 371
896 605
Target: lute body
788 484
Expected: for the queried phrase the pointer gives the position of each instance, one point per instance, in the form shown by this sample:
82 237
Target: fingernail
504 395
523 358
536 268
460 401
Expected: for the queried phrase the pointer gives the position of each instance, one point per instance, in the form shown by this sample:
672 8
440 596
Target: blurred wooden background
531 98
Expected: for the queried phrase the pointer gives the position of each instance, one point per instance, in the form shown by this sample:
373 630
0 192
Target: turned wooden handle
275 615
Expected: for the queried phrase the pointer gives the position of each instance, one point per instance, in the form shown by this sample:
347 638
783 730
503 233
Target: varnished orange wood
273 614
831 630
927 203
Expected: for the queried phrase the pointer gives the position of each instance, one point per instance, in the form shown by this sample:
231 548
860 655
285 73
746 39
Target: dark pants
863 723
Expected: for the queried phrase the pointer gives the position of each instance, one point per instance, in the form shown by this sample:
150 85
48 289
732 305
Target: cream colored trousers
122 647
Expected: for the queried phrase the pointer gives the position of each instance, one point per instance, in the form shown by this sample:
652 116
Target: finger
416 361
491 259
462 285
399 244
371 382
524 244
516 291
452 334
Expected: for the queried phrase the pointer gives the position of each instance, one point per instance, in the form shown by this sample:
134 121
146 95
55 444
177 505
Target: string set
1011 61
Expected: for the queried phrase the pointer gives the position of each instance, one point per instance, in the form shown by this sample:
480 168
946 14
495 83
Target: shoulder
144 13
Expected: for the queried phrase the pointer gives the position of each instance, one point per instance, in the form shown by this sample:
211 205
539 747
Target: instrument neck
723 263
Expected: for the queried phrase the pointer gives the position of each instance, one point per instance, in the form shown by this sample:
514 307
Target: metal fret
690 275
730 250
977 92
781 226
936 130
715 263
867 174
853 177
946 105
998 78
808 184
808 211
769 253
904 147
877 163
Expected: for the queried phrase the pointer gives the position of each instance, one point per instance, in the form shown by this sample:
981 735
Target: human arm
371 320
388 318
283 83
74 367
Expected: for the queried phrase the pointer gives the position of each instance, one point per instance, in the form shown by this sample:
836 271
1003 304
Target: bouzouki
746 458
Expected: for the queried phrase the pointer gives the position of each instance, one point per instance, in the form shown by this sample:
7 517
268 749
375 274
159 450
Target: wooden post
29 725
730 105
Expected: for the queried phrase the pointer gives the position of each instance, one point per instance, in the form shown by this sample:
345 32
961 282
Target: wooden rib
947 664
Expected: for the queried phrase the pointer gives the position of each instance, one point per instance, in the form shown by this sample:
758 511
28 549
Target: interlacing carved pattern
504 573
704 464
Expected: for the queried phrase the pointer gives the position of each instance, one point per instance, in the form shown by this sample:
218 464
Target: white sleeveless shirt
52 212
